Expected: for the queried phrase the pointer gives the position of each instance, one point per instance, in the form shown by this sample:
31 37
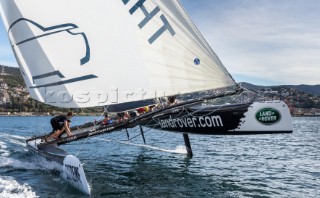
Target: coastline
36 114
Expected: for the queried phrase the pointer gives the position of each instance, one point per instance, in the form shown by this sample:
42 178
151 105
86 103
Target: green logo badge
268 116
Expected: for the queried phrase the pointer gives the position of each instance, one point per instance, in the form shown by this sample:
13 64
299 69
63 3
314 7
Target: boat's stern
266 117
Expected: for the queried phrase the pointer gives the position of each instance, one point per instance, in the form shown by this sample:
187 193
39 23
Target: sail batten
83 54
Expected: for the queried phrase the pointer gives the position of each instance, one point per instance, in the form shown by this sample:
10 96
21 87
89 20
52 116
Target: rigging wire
144 118
37 127
90 157
95 124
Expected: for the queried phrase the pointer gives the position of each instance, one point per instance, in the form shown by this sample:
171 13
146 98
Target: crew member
59 125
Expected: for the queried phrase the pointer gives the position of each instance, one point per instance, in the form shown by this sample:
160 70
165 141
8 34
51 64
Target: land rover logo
268 116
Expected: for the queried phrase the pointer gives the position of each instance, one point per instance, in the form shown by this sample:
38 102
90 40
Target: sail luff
209 48
206 48
192 24
198 34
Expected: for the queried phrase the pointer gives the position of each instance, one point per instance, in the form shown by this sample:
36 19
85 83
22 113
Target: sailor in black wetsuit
60 124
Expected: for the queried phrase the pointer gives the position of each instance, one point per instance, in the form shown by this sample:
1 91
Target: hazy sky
264 42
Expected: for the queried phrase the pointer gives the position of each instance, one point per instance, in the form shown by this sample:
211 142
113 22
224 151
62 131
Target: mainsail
80 53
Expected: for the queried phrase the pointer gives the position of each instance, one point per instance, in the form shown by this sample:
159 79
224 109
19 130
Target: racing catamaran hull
69 166
228 119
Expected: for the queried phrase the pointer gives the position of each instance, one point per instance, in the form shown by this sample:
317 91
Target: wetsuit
57 122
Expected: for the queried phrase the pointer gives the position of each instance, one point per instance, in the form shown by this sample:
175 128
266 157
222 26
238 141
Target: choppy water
285 165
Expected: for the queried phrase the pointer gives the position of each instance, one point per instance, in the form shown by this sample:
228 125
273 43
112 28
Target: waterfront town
15 99
300 103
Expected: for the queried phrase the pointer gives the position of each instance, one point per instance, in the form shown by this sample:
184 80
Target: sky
263 42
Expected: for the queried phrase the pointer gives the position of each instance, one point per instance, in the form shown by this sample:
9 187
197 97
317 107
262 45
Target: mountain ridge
310 89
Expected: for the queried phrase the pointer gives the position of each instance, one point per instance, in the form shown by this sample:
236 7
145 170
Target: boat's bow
69 166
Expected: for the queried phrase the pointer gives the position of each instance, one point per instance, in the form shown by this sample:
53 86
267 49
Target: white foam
15 139
3 151
3 145
48 165
4 162
17 164
10 137
18 142
5 154
18 137
35 163
178 149
9 188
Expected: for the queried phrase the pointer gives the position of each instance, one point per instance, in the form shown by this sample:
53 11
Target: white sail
80 53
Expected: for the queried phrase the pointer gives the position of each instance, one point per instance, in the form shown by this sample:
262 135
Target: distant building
3 85
4 96
2 71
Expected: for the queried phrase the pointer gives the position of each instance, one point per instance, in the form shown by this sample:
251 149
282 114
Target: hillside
11 76
310 89
14 96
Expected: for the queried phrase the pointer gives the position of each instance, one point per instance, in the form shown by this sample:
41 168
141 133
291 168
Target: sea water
283 165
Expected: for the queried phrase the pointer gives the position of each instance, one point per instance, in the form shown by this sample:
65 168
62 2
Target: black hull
208 120
49 152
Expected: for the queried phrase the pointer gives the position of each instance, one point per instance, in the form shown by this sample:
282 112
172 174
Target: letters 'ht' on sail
148 16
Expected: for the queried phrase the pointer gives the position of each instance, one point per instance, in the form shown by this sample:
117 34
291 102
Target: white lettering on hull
191 122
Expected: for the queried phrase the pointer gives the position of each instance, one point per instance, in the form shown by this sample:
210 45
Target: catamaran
124 55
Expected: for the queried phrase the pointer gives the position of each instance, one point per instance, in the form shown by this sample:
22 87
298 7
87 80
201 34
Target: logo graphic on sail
197 61
27 33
